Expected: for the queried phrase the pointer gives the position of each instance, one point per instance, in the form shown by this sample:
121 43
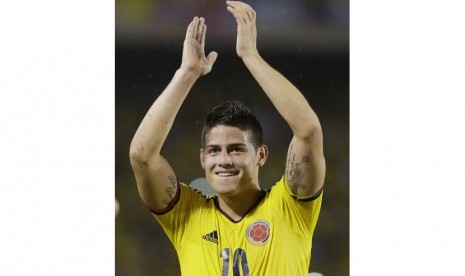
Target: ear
262 155
202 161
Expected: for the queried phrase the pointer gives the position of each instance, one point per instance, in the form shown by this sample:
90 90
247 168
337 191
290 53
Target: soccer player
242 229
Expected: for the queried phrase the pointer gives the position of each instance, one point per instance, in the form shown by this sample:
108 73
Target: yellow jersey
273 238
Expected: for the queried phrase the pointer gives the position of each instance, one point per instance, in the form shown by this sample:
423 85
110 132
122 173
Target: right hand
193 55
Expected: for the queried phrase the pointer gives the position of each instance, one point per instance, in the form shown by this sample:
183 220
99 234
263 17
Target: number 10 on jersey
239 257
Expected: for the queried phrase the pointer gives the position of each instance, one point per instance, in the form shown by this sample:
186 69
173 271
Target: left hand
246 44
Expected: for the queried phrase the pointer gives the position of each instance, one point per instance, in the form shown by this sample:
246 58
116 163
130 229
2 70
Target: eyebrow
229 145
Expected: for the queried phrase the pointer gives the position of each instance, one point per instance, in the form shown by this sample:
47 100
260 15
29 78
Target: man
242 230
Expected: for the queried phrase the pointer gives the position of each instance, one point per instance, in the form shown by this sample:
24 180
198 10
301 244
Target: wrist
252 57
187 74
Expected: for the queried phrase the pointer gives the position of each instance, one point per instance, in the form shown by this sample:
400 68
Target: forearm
155 126
287 99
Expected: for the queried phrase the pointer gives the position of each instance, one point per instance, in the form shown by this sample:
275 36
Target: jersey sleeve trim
308 199
171 205
300 199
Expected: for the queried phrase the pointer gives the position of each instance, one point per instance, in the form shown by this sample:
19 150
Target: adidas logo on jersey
211 237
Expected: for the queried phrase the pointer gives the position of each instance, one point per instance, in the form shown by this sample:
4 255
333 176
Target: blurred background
307 41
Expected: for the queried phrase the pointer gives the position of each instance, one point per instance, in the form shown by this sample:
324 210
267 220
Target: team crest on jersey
258 233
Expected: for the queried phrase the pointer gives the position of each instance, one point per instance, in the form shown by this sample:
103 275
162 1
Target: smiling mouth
227 174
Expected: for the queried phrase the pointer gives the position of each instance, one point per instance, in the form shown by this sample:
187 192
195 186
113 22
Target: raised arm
156 181
305 166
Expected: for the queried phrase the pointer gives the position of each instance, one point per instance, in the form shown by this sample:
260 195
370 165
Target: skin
156 180
231 165
305 165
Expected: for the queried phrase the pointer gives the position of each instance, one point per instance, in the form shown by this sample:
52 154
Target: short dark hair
236 114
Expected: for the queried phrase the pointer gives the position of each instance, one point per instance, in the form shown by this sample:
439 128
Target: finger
200 29
247 10
190 29
232 8
239 5
202 41
196 27
250 15
212 57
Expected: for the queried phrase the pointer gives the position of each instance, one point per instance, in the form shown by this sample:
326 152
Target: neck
237 206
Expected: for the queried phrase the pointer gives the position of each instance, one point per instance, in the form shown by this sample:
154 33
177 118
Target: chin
224 187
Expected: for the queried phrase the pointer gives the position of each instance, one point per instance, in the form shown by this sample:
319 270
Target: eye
213 150
237 149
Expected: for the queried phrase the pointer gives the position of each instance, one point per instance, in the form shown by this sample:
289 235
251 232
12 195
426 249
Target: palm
193 57
246 40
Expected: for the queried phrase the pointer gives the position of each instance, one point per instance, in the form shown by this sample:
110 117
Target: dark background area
306 41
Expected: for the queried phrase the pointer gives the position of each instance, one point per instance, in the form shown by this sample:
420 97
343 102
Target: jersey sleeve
301 214
174 218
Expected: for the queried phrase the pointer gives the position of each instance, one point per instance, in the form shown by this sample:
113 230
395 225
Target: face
230 161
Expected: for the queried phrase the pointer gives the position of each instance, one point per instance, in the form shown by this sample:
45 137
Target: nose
224 159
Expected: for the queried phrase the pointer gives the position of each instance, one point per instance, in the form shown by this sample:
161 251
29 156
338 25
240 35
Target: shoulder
186 198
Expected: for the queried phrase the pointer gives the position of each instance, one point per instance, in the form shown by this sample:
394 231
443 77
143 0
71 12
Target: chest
260 243
257 236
